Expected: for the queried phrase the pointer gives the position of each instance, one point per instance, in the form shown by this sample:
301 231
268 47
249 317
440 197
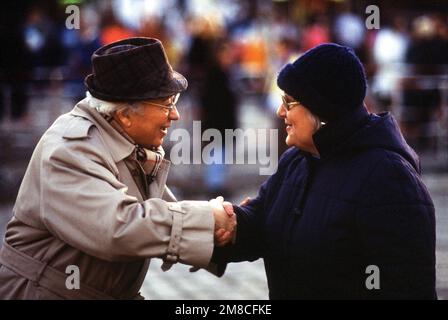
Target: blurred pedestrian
113 30
14 60
421 94
218 103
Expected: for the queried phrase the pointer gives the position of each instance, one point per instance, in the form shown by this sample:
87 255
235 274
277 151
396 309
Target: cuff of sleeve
196 241
172 252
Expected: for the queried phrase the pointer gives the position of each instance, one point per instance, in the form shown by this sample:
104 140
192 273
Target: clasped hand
225 221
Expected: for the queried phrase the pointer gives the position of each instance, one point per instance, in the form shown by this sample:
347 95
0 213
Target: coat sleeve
396 227
85 205
249 243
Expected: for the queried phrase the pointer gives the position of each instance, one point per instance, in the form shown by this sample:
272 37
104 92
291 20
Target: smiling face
148 125
301 124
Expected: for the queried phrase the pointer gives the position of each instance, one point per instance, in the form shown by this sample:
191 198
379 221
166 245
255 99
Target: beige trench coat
78 205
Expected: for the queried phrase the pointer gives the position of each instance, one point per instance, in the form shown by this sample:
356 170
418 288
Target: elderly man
94 199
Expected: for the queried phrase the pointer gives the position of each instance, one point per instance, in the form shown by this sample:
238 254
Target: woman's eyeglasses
289 104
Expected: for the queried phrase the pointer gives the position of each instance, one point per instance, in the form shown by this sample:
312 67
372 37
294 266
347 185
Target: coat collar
118 145
331 138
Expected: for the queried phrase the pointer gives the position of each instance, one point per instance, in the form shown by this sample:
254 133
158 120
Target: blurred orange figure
254 55
114 33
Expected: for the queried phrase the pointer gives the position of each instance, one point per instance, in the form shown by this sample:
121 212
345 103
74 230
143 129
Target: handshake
225 221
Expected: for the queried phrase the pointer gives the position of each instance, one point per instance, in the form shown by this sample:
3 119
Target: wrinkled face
148 124
301 124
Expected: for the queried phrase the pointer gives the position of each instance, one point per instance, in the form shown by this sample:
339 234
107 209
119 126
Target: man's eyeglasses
289 104
167 108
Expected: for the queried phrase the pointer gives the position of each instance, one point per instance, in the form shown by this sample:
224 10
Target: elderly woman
346 216
93 207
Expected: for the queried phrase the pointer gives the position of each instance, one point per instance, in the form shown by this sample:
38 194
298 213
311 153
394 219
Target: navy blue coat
318 223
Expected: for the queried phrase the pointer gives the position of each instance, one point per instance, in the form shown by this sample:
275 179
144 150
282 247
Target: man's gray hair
107 108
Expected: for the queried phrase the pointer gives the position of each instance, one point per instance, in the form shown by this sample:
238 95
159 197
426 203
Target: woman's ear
123 117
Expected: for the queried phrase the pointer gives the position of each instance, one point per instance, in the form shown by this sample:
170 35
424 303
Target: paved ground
242 280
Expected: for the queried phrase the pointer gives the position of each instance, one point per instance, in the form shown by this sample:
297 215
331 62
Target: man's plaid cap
133 69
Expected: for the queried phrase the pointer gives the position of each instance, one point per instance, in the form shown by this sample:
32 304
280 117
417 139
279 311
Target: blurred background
230 51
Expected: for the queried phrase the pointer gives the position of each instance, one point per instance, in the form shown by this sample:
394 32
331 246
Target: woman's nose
281 112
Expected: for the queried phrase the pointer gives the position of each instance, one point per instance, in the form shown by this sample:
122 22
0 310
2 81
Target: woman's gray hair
107 108
318 122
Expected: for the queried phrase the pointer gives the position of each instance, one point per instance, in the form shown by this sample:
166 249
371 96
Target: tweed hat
329 80
133 69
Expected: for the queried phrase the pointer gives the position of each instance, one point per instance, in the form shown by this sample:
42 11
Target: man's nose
174 114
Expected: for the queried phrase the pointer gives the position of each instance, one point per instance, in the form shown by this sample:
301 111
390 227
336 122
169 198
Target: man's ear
123 117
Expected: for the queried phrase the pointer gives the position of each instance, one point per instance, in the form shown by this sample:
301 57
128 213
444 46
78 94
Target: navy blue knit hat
329 80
